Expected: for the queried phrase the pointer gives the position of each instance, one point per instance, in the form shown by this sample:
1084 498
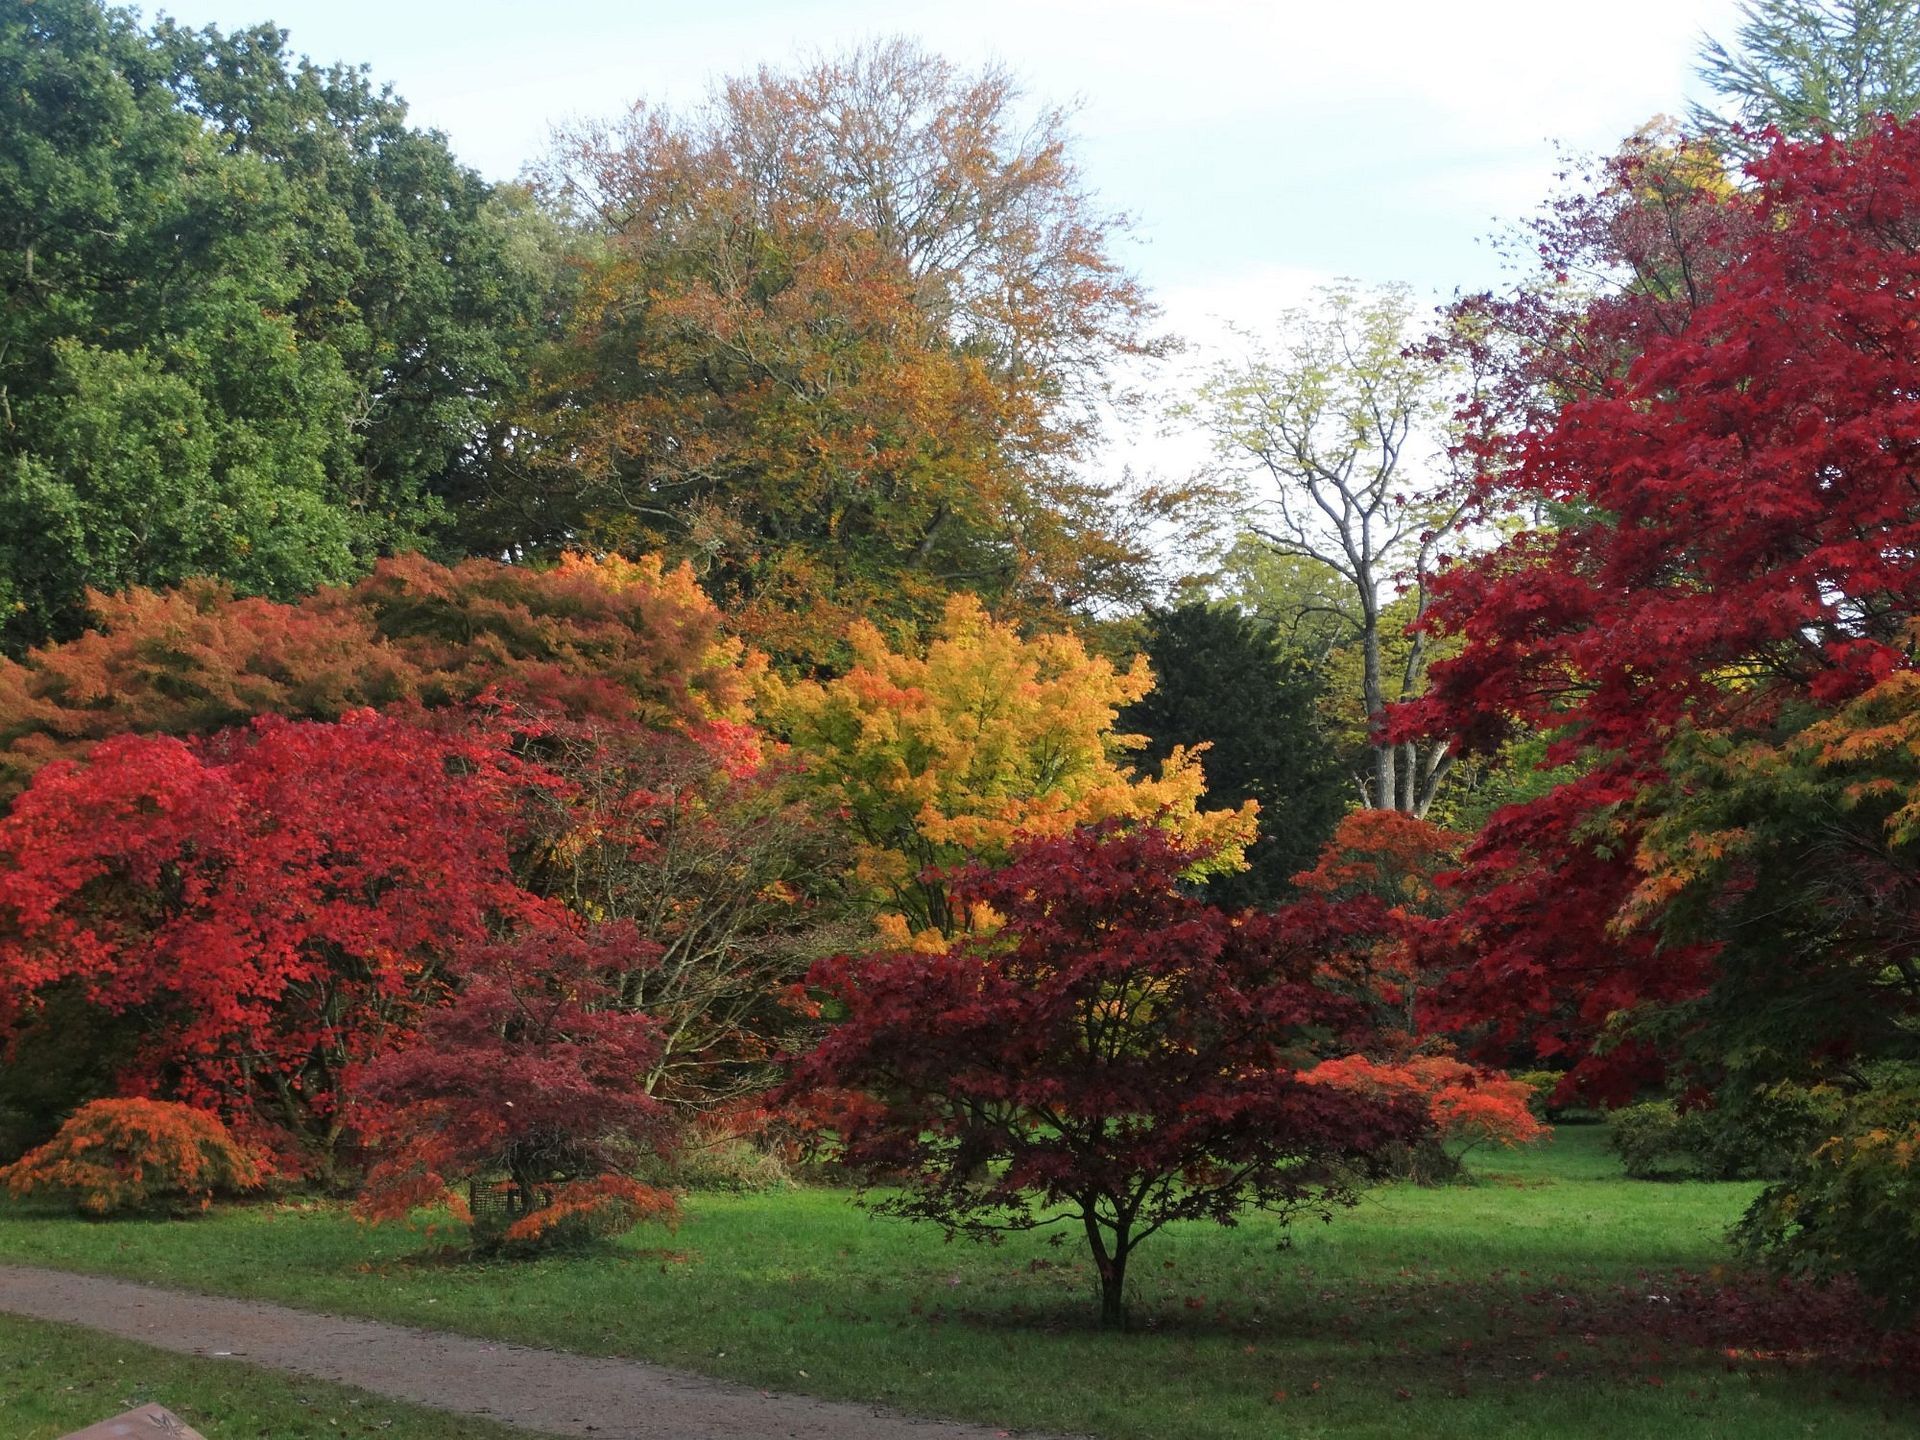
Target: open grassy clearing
55 1379
1530 1305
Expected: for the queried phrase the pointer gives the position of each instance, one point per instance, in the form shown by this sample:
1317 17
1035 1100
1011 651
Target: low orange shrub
115 1157
1470 1106
601 1208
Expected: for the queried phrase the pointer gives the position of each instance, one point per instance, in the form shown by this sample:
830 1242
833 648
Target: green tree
1811 68
1221 679
1326 433
1300 600
255 325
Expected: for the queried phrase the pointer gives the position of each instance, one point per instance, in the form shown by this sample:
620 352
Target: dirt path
544 1390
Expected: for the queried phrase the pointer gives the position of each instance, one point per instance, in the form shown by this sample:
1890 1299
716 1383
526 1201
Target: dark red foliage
276 903
1118 1056
534 1075
1737 520
1628 252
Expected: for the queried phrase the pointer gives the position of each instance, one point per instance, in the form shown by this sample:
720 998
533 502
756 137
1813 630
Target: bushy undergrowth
1851 1207
1765 1136
722 1165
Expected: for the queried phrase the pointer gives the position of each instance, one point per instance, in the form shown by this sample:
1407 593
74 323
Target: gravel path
544 1390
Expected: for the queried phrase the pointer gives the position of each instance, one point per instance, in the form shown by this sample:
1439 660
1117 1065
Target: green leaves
1221 681
256 326
1811 68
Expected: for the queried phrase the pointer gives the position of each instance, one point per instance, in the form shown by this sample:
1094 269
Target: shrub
1541 1086
1651 1141
1468 1107
1766 1135
123 1156
583 1211
717 1160
1852 1205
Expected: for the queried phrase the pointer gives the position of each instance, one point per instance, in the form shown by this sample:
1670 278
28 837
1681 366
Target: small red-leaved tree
1115 1056
1381 871
528 1090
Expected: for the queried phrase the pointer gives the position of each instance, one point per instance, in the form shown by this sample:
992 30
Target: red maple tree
1117 1056
527 1088
275 904
1736 521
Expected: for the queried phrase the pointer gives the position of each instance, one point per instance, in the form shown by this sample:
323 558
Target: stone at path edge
149 1422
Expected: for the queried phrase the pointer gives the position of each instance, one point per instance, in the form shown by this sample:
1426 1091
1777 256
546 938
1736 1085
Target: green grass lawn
1553 1299
55 1379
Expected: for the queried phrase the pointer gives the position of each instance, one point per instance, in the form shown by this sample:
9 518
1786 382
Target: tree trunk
1112 1267
1373 698
1113 1296
1384 790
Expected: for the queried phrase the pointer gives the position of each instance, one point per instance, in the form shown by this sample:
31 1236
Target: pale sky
1255 144
1259 148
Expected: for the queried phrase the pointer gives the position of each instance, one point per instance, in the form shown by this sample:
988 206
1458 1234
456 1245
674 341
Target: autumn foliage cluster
756 751
278 910
478 884
844 343
1715 639
763 428
531 1070
114 1157
947 757
1469 1107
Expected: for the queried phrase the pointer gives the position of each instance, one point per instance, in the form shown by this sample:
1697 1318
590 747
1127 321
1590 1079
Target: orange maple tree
1382 868
117 1156
1469 1106
588 639
841 344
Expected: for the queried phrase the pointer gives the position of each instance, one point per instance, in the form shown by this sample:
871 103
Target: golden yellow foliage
946 757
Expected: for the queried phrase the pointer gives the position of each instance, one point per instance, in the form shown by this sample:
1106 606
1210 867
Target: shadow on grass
1513 1330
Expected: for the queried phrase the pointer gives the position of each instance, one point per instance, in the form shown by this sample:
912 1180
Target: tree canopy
1809 68
256 325
842 347
1734 508
986 738
1333 432
1221 681
1119 1056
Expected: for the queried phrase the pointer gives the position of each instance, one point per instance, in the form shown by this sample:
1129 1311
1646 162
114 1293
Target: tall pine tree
1222 679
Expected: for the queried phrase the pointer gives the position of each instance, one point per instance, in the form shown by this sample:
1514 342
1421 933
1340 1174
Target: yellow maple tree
940 758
